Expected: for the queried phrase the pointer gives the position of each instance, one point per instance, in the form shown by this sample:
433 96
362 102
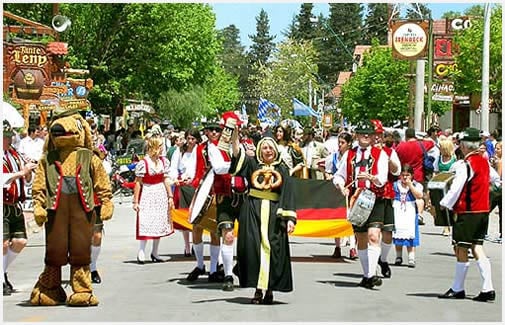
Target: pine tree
304 29
415 9
263 44
232 56
376 23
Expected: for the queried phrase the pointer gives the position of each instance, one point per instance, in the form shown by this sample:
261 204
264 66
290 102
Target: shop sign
410 39
75 104
443 91
29 55
139 108
441 70
457 24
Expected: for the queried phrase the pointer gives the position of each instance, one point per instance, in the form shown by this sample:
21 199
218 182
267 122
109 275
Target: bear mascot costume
66 180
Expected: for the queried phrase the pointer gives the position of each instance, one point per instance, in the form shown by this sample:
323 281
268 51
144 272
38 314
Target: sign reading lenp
410 39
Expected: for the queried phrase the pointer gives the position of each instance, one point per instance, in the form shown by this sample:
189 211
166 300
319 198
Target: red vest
474 197
222 183
389 192
12 195
374 159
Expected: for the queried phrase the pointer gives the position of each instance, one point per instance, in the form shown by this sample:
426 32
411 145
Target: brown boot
48 290
80 279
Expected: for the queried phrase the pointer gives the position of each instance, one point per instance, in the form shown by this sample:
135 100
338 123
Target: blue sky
243 15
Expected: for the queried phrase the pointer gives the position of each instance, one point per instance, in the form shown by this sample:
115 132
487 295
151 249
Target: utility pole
419 107
428 118
484 114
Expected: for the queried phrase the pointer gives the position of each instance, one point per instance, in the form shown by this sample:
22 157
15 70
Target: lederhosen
376 219
13 218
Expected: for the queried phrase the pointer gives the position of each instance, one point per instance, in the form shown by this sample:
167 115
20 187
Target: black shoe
268 299
385 269
374 281
195 273
216 277
421 220
7 282
7 290
258 297
363 282
95 277
157 259
450 294
485 296
220 269
187 254
228 283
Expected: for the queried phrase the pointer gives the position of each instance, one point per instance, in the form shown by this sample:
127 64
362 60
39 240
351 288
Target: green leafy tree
288 75
221 93
379 89
376 23
183 107
467 78
418 11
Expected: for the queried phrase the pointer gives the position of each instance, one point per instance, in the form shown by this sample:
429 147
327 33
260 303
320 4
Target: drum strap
468 187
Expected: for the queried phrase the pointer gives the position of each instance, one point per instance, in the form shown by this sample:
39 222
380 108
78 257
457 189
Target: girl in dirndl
406 232
152 199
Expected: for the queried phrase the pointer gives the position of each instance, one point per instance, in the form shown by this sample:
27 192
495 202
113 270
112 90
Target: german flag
320 209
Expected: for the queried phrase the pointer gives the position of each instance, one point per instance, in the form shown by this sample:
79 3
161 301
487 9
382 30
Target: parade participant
266 218
291 153
16 173
67 177
406 232
152 200
182 172
443 165
31 146
384 141
468 197
332 162
314 153
362 167
209 156
96 240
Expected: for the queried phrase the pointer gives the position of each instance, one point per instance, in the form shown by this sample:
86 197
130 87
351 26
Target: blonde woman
152 199
446 160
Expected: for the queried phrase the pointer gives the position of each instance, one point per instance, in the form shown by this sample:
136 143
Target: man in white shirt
31 146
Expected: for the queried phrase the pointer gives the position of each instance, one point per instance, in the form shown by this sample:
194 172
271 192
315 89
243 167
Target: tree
233 57
288 75
376 23
418 11
467 78
378 90
183 107
303 26
262 42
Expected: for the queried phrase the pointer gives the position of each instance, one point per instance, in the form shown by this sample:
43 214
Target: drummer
370 172
208 156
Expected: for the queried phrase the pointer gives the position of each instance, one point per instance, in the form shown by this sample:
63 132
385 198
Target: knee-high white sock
485 274
459 276
214 257
373 257
385 248
11 256
227 253
156 245
352 241
412 255
363 259
5 263
142 250
198 248
95 251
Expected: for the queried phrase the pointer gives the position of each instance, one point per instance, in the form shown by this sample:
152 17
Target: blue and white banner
268 112
300 109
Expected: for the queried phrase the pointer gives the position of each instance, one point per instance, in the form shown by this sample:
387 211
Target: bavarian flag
320 209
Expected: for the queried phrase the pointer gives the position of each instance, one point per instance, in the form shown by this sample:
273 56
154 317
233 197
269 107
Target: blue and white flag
300 109
268 112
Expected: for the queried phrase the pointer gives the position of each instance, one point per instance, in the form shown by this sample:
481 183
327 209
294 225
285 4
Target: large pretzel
272 179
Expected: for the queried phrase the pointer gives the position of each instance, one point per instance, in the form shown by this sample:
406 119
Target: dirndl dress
406 232
153 217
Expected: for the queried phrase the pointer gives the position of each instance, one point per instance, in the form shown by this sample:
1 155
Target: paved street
325 288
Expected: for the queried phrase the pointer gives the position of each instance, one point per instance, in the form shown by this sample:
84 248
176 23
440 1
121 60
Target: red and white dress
153 218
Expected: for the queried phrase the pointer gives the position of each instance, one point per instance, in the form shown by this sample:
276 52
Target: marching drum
202 210
438 187
361 208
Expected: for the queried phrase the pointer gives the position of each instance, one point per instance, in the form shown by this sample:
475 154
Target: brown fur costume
65 180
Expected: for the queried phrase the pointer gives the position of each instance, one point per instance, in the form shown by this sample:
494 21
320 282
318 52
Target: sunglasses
214 129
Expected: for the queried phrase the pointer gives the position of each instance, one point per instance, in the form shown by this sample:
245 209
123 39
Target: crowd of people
252 184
